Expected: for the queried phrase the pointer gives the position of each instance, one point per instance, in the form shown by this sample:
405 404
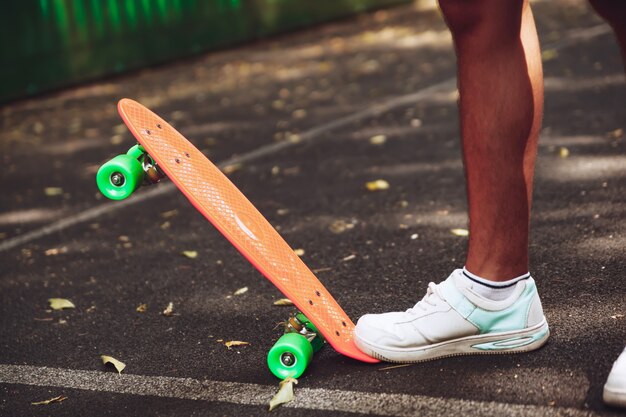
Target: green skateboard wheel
290 356
119 177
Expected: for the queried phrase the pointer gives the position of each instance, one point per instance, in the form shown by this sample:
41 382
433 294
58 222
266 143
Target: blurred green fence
45 44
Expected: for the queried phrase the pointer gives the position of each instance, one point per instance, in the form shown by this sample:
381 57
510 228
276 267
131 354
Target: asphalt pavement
301 122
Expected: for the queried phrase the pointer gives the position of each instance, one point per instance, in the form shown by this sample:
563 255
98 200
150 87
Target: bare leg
501 106
614 12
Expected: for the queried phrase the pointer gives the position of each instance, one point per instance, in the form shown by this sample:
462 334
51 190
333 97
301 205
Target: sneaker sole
485 344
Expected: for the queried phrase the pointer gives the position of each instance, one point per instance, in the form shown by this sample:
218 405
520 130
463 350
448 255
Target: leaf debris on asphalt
283 302
56 251
229 169
615 134
299 252
58 399
191 254
169 310
118 365
377 185
232 343
340 226
241 291
169 214
378 139
349 258
53 191
549 54
284 394
142 308
459 232
60 303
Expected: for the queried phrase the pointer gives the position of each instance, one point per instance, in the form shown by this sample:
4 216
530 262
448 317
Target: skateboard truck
293 351
118 178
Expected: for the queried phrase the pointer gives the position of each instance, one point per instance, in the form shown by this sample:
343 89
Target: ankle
492 290
496 272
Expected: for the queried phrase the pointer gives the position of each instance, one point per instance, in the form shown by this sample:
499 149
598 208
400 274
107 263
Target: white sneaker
453 320
615 387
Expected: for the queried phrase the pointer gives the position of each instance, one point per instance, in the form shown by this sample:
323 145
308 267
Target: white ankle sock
493 290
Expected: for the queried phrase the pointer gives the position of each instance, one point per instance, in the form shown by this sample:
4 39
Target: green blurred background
48 44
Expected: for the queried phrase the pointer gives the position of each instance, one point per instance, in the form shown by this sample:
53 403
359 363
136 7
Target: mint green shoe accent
514 342
513 317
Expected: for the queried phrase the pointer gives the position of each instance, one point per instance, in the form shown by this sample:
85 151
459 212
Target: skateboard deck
219 200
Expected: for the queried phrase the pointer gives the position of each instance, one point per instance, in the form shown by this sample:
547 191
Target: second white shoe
615 388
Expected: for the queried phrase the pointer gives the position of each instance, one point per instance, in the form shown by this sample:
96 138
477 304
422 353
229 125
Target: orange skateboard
162 151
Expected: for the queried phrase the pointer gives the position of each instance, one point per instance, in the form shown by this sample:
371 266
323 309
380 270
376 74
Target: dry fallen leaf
284 394
563 152
378 139
340 226
283 302
169 214
56 251
60 303
232 343
241 291
58 399
617 316
191 254
119 366
169 310
377 185
349 258
53 191
299 252
549 54
617 133
142 308
229 169
459 232
299 114
416 123
294 138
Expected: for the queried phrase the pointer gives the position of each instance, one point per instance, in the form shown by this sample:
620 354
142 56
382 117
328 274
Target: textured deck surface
217 198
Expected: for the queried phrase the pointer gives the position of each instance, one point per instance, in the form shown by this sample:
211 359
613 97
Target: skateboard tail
230 212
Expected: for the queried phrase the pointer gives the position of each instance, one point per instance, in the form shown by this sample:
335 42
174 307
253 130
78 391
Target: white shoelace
430 300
